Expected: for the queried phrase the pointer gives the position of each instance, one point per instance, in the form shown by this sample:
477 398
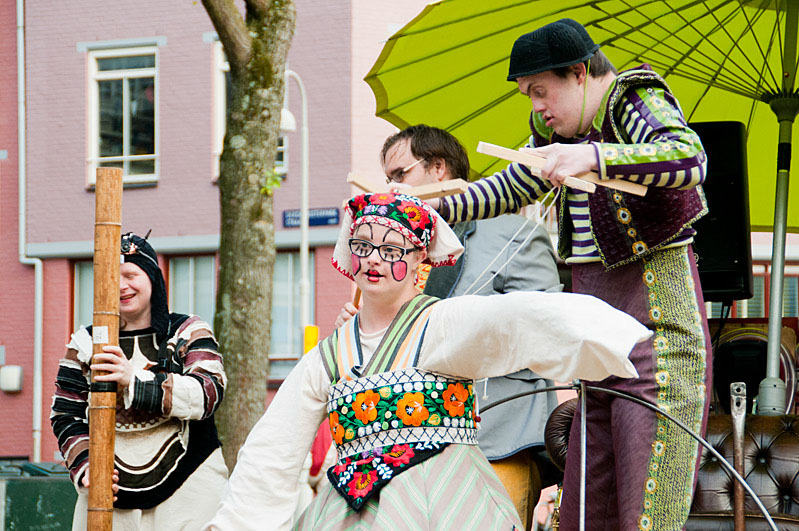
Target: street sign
316 217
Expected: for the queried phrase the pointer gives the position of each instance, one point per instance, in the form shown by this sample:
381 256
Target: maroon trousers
641 468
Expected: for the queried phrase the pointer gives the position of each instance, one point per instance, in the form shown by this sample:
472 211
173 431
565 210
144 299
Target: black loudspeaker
722 243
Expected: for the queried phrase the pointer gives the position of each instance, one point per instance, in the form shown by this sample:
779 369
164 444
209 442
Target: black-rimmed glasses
389 253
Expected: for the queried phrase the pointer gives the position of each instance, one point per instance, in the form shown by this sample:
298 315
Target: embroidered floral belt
387 423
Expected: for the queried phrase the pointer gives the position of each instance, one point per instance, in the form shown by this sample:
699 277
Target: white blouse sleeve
262 490
560 336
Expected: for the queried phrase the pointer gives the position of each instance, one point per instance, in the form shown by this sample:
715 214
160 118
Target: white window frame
191 289
291 324
221 68
76 299
94 111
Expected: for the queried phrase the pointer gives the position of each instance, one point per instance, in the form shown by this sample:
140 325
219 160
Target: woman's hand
565 160
114 486
347 312
113 361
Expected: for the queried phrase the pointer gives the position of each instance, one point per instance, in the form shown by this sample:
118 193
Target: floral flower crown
408 215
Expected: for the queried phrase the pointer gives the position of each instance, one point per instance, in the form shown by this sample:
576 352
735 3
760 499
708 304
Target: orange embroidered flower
362 483
411 410
336 429
400 454
454 398
365 406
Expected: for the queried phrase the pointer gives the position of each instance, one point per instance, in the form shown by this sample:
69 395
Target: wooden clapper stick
425 191
586 182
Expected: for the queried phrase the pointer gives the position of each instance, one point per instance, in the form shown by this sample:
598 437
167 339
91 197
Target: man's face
398 157
559 100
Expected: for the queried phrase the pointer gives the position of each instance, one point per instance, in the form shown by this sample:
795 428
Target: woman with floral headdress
397 387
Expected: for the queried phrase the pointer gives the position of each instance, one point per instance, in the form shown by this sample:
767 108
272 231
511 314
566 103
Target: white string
485 387
519 248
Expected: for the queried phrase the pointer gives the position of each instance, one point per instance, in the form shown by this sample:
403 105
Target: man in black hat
633 252
170 380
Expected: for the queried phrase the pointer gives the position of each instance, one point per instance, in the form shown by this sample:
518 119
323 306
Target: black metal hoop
578 385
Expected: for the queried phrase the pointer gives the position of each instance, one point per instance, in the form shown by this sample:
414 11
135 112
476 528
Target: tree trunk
247 242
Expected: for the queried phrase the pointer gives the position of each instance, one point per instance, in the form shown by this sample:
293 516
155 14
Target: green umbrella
725 60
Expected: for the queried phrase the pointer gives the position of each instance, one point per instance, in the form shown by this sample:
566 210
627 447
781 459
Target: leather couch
771 464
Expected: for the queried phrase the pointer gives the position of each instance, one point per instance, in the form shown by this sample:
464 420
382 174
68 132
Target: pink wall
373 23
60 207
16 280
320 55
332 290
57 80
57 328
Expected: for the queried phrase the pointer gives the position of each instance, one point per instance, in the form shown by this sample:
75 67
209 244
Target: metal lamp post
305 286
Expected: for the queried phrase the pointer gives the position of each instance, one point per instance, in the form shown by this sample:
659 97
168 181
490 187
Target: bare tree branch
259 7
232 31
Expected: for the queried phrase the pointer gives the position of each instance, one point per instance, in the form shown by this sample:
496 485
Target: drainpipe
23 257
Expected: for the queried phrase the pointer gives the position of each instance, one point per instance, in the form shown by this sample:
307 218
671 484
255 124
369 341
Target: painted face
135 290
398 157
373 272
559 100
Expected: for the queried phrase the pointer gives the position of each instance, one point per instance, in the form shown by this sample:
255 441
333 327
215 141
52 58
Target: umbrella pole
771 395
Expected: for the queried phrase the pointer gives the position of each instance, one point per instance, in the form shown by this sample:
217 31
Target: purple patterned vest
626 227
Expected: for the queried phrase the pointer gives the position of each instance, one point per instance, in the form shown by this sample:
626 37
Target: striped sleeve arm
507 191
68 414
663 151
195 394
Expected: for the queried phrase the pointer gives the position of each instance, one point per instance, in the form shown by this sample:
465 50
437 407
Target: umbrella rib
682 55
756 82
736 44
448 83
503 29
477 112
639 29
469 17
750 26
779 37
752 110
451 48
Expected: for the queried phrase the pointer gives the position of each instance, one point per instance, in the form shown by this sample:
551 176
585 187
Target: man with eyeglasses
512 434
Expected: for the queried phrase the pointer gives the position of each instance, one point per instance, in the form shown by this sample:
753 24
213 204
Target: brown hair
429 143
597 66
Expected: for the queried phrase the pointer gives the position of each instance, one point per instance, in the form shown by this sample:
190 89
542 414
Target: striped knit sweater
159 410
662 151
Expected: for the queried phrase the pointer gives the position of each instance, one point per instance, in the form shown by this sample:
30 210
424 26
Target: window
192 286
123 113
222 92
83 296
287 333
192 290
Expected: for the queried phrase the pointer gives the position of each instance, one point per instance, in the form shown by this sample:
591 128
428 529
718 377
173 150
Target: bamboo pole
105 331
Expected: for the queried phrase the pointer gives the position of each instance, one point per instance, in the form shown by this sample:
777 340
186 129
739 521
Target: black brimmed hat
561 43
